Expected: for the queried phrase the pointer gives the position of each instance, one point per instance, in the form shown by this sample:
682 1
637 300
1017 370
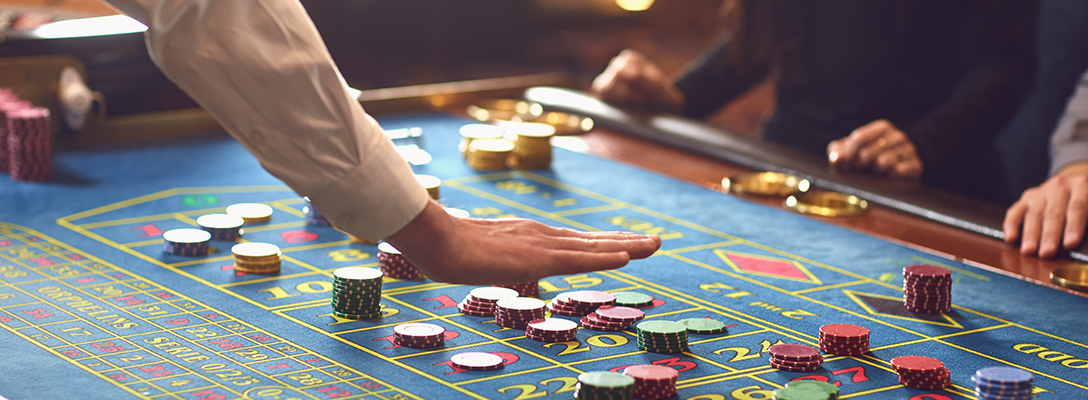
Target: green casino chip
662 328
606 380
788 393
357 316
633 299
809 384
704 326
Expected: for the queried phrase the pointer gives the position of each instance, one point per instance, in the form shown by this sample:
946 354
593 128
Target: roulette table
91 306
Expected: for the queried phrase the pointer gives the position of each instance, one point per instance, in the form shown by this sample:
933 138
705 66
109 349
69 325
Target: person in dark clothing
906 88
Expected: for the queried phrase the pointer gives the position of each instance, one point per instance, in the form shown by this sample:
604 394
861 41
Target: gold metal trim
1073 276
827 204
765 183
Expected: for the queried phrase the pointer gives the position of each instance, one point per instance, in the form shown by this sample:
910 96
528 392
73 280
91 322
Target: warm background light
634 5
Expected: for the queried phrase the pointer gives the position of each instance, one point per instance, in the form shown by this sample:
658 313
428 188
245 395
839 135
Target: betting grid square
464 186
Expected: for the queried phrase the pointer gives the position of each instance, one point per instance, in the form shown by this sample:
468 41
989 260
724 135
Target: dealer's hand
878 147
484 252
633 81
1052 215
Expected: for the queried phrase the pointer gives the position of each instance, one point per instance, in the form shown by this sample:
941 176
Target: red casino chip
653 381
625 315
794 352
916 364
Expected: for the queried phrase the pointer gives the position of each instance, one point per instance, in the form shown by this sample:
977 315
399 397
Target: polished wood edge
196 122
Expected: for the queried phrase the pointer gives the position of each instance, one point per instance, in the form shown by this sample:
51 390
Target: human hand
878 147
484 252
633 81
1046 211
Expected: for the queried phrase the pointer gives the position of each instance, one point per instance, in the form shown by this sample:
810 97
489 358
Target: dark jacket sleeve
997 55
714 79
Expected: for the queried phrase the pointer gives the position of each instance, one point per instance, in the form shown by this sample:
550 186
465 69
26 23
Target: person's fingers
1014 219
1076 213
1050 236
1032 227
861 137
885 162
890 141
833 150
565 262
635 245
909 169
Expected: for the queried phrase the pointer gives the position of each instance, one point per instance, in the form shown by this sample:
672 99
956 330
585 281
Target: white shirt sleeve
261 69
1069 142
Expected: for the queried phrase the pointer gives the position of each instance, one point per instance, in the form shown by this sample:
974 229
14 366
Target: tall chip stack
927 289
8 102
1003 383
532 145
30 144
357 293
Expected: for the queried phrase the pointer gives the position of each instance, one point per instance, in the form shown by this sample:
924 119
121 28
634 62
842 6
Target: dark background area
380 43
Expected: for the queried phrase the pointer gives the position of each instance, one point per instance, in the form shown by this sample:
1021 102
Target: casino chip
29 142
921 372
222 226
533 147
662 336
357 294
472 132
312 216
633 299
1003 383
653 381
481 301
795 357
516 313
489 154
251 213
830 389
612 318
927 289
844 339
477 361
705 326
579 303
394 265
186 242
256 258
431 183
604 385
524 289
551 330
419 335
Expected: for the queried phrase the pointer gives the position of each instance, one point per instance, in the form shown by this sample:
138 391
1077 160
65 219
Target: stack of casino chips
471 132
477 361
844 339
653 381
703 326
795 357
807 389
186 242
419 335
431 183
357 293
532 145
394 265
222 226
256 258
551 330
579 303
927 289
29 144
8 102
251 213
516 313
604 385
662 336
489 154
633 299
922 372
481 301
612 318
312 216
524 289
1002 383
